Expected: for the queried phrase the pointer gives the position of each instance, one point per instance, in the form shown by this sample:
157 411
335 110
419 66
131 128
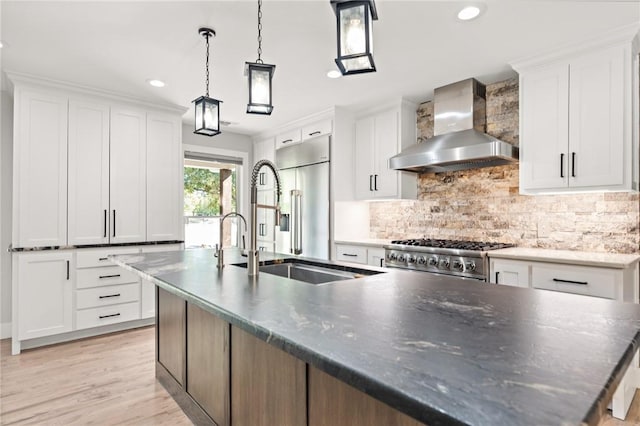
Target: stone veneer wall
485 204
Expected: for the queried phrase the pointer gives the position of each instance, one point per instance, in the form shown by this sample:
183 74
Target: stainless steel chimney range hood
456 144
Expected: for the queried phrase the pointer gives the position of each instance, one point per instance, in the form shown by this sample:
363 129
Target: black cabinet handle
287 141
103 258
105 224
370 182
381 262
573 164
67 270
375 182
109 316
262 178
109 295
114 222
317 132
497 273
561 165
558 280
109 276
349 255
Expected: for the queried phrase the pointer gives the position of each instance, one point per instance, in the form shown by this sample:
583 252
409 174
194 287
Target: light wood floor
104 380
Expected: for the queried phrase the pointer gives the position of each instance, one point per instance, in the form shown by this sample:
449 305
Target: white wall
6 161
225 140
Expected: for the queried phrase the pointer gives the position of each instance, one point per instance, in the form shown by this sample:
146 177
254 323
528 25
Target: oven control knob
457 265
392 256
401 258
443 263
470 266
411 258
422 260
433 261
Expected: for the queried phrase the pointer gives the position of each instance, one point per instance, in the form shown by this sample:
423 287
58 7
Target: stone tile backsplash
485 204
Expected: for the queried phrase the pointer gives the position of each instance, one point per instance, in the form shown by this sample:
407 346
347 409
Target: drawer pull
287 141
317 132
103 259
570 281
109 316
349 255
109 276
109 295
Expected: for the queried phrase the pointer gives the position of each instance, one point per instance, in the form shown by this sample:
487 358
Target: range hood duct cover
457 145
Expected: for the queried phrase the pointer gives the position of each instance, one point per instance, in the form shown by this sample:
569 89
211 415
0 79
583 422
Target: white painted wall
6 167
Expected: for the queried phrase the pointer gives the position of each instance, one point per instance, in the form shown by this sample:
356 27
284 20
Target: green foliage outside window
202 192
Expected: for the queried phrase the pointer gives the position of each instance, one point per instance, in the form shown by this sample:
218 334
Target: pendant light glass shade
259 76
355 36
207 116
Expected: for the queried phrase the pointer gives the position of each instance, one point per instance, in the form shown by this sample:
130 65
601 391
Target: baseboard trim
5 330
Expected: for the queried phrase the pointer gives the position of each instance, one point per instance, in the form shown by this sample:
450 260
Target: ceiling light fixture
468 13
259 76
334 74
156 83
355 36
207 109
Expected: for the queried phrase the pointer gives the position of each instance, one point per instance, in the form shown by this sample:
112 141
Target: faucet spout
253 256
219 251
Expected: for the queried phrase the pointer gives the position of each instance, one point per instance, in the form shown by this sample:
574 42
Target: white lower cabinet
148 289
43 294
353 253
510 272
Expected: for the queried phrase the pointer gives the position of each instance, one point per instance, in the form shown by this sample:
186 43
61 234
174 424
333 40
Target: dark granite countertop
12 249
440 349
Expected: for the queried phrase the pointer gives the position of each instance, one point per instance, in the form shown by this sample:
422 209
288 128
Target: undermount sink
312 272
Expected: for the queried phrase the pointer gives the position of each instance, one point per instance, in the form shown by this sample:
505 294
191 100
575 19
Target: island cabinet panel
268 386
171 334
208 363
334 403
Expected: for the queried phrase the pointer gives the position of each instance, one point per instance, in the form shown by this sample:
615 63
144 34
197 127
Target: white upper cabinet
378 137
40 168
577 125
127 170
164 177
88 172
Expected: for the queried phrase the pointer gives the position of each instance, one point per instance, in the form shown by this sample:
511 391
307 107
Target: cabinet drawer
104 315
107 295
599 282
109 275
92 258
355 254
288 138
316 129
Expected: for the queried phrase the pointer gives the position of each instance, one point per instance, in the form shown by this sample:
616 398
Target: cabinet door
264 150
88 172
128 175
544 100
164 178
147 299
44 294
596 119
509 272
364 158
268 386
375 256
40 169
385 146
171 334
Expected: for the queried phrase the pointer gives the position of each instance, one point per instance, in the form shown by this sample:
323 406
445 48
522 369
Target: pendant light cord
207 66
259 61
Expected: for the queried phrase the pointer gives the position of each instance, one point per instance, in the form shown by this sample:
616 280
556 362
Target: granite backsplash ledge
485 204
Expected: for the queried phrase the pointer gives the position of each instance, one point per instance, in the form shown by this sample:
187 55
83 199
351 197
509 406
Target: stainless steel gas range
466 259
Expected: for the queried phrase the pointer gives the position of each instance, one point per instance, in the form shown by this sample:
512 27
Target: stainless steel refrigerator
304 171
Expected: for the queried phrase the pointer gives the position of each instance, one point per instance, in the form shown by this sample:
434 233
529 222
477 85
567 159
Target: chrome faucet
219 251
253 257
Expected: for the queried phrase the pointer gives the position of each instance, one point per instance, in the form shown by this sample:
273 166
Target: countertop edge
364 242
516 253
12 249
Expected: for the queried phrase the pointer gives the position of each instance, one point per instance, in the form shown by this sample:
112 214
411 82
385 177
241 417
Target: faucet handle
244 244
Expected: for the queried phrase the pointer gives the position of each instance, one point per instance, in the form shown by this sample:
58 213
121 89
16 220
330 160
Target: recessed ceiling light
334 74
468 13
156 83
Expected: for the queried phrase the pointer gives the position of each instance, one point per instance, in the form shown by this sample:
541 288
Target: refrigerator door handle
296 219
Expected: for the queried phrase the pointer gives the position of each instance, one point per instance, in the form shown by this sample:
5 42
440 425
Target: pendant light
207 109
355 37
259 76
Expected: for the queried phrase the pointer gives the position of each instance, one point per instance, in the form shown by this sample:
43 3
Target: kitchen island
432 348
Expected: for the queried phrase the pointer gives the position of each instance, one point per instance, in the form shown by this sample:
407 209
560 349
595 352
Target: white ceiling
419 45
